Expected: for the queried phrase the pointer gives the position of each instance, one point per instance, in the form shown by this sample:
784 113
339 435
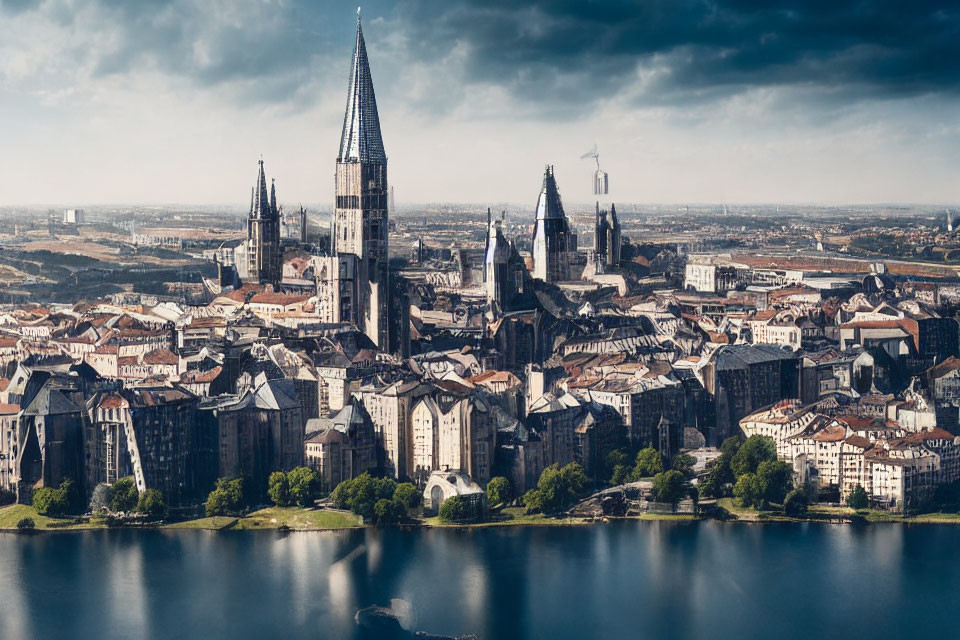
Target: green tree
123 495
532 501
458 509
795 504
229 497
752 452
719 476
776 479
278 488
388 512
858 498
26 524
648 463
683 463
620 475
304 485
151 504
361 494
218 503
730 446
72 496
50 502
557 489
670 487
747 491
499 491
407 495
614 459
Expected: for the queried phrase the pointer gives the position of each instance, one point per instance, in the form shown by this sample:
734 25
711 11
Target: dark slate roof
50 402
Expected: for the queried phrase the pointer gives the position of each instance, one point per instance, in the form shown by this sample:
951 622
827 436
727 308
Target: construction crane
601 185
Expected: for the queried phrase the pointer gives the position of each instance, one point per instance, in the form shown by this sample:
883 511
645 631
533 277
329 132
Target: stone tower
360 211
264 261
552 239
606 239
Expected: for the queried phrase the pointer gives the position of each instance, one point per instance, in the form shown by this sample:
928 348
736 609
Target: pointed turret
273 198
361 139
260 207
549 205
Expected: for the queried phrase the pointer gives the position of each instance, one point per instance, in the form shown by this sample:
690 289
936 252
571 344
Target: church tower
264 261
360 213
553 241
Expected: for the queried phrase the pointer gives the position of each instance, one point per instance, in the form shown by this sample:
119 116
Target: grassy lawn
12 514
513 516
297 518
668 516
213 522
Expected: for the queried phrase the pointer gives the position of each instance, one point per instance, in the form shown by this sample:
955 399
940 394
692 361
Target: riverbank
318 519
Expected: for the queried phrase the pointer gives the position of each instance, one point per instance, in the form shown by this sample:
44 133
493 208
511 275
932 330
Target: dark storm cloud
569 51
552 56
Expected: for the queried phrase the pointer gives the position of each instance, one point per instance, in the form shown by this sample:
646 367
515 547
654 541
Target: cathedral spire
273 198
261 203
360 140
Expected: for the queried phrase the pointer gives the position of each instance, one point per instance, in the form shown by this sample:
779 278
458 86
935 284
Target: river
630 579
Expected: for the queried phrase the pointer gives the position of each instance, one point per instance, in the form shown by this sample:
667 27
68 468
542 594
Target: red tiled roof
160 356
6 408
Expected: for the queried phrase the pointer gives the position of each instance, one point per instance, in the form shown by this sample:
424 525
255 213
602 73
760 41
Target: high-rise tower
606 239
553 241
264 261
360 212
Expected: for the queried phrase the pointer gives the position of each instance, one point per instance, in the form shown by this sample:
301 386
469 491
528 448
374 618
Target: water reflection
625 579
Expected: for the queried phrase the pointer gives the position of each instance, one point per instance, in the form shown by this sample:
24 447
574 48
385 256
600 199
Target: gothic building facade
606 239
264 259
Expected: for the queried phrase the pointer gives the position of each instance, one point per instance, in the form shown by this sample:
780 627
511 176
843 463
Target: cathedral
359 223
606 239
553 240
264 258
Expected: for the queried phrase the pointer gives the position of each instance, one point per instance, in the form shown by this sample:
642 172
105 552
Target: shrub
361 494
795 504
50 502
407 495
26 524
151 504
458 509
100 500
858 498
123 495
499 491
388 512
683 463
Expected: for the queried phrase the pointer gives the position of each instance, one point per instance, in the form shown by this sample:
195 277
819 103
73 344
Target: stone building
553 240
341 447
606 239
743 378
259 432
360 218
264 259
155 435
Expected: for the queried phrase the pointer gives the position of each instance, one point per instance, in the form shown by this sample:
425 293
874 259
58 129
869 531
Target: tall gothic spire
549 205
361 139
260 207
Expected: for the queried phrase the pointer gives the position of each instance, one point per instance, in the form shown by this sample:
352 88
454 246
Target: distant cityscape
467 364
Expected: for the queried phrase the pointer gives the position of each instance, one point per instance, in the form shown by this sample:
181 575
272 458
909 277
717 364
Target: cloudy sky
110 101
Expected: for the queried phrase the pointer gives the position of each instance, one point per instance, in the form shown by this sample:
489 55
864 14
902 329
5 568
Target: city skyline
115 104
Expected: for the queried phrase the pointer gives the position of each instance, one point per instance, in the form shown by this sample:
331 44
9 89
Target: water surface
628 579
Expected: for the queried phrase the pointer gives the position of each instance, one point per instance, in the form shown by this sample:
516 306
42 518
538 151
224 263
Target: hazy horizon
142 104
